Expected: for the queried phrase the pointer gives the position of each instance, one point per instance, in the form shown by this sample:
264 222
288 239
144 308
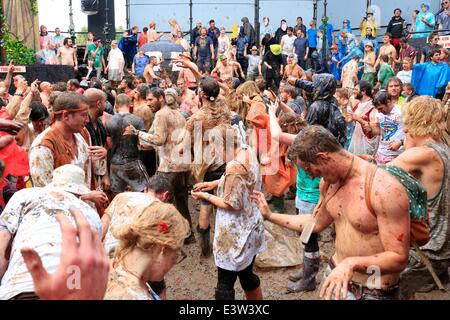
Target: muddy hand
97 153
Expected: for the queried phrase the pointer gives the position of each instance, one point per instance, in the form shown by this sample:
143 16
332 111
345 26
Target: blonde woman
239 234
174 29
224 43
149 248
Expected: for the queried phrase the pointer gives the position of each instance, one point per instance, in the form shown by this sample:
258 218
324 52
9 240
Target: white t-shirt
405 76
115 59
30 218
122 211
288 44
392 130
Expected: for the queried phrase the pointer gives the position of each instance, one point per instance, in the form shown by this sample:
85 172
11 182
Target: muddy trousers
179 195
227 279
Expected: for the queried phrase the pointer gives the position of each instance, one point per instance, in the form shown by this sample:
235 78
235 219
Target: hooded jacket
324 111
397 27
249 31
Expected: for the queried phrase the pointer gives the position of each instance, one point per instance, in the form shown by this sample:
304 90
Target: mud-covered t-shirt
125 148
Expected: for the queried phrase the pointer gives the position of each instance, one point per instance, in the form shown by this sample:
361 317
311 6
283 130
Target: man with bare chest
224 69
387 49
149 73
67 54
372 244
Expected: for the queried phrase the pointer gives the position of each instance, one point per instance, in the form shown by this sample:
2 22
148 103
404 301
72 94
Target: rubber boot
311 265
296 275
205 246
278 203
255 295
223 294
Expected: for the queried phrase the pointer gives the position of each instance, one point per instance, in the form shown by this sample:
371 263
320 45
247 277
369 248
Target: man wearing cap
65 142
30 220
254 63
167 135
224 69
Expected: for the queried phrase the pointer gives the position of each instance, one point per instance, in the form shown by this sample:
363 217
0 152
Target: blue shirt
214 35
139 64
300 45
329 33
312 38
204 46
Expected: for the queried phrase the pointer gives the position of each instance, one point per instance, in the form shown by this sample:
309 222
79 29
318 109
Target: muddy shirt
30 219
167 134
125 148
438 248
122 211
239 234
42 162
122 286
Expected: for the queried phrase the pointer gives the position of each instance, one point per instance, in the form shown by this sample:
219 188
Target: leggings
249 280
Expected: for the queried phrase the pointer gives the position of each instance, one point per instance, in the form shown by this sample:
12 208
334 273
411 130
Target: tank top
438 248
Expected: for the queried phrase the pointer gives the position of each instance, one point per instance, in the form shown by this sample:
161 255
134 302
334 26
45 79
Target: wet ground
196 278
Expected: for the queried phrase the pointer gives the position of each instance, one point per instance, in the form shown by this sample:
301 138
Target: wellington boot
205 246
255 295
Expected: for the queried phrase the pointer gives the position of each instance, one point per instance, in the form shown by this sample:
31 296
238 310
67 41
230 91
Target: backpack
419 233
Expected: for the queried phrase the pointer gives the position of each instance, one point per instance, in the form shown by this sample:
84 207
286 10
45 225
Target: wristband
18 95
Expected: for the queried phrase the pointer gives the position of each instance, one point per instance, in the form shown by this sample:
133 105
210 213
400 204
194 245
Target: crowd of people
360 140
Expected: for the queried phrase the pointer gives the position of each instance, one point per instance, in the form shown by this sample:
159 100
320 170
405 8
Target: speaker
104 21
90 7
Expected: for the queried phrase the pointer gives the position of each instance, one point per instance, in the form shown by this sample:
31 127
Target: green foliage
34 7
119 32
17 51
82 37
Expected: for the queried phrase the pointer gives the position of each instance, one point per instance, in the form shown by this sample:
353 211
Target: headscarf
426 4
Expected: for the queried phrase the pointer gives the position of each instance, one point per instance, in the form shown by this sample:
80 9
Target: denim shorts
304 207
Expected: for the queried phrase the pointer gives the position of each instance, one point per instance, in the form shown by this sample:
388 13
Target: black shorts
213 176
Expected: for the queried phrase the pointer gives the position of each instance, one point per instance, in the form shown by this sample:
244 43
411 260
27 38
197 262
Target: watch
18 95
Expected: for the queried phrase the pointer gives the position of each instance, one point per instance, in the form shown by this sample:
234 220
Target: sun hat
70 178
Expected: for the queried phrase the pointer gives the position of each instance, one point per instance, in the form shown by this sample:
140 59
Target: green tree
82 37
119 32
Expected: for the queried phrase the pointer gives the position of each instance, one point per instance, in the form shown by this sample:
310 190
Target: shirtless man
46 91
366 240
149 73
189 100
388 49
224 69
428 159
140 107
152 34
67 54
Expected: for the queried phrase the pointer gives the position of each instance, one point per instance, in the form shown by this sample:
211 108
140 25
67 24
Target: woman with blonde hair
239 235
370 73
149 247
174 29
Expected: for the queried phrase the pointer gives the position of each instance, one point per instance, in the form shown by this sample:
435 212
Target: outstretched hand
83 271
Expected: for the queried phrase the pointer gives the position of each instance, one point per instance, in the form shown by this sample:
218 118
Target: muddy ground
196 278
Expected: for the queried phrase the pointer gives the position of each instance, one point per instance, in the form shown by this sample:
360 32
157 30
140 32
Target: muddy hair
156 224
311 141
60 86
210 88
291 122
69 101
425 116
142 90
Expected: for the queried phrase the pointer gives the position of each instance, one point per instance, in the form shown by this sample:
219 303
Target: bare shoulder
417 156
388 195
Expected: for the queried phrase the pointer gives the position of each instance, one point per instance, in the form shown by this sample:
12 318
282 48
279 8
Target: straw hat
70 178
